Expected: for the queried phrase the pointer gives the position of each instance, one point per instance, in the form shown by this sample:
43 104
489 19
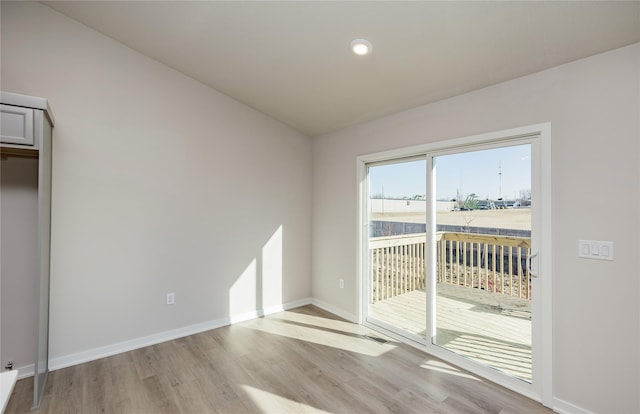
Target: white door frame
539 136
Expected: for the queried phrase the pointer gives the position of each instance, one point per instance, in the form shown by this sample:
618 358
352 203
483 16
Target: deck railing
490 263
398 265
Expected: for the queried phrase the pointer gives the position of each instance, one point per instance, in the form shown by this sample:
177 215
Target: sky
469 172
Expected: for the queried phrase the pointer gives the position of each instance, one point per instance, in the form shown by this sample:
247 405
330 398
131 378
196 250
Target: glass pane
483 224
397 238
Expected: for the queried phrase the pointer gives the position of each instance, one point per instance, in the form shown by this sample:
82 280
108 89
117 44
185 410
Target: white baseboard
130 345
288 305
268 311
25 371
563 407
336 311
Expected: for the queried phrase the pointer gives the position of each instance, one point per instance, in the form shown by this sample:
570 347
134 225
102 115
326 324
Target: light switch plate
171 298
595 249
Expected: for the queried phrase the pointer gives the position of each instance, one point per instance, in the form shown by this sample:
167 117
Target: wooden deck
492 329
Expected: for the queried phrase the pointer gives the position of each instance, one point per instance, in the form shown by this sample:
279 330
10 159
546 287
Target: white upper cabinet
16 125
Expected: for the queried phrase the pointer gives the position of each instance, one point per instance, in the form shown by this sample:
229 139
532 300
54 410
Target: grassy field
517 218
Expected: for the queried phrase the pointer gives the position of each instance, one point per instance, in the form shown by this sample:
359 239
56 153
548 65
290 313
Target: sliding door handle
529 268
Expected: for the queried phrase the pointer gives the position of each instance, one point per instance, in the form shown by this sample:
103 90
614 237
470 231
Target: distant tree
524 199
467 220
471 202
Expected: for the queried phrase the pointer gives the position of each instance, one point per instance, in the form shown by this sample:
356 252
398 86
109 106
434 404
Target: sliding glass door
452 251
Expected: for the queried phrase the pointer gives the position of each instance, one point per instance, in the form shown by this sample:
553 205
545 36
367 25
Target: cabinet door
16 125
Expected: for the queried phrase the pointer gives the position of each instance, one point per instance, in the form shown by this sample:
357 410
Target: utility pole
500 178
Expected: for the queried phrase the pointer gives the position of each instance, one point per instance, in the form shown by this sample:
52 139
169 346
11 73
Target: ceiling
291 60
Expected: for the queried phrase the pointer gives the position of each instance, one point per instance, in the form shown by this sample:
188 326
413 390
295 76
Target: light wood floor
491 329
300 361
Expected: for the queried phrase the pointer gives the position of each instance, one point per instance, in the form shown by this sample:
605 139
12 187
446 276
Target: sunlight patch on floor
272 403
319 321
333 336
443 367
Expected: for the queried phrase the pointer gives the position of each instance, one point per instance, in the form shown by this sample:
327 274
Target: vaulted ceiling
291 60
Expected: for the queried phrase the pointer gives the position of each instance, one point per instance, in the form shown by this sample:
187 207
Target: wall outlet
341 283
171 298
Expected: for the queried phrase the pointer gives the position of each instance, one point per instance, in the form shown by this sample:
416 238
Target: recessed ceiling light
361 47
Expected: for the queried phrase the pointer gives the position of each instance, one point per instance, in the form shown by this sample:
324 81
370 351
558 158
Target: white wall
593 106
142 158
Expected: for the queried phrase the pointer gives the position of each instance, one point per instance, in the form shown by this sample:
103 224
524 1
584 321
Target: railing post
485 255
520 272
464 261
423 265
510 270
377 264
385 273
478 266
